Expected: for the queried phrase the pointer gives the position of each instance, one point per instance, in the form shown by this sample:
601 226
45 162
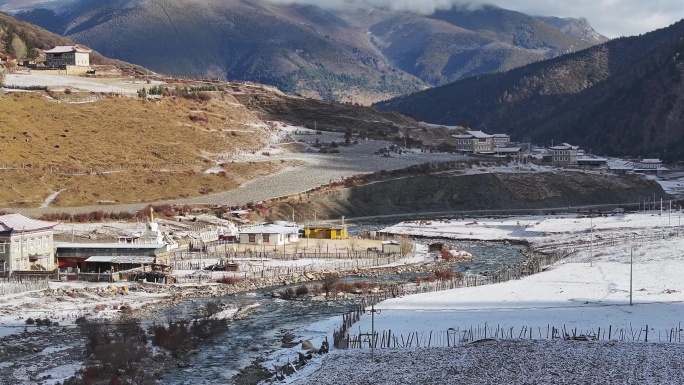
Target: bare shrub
229 280
444 275
446 254
302 291
329 281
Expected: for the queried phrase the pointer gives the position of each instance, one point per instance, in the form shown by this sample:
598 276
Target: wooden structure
76 255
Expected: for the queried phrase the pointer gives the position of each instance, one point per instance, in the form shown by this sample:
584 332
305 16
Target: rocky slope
451 191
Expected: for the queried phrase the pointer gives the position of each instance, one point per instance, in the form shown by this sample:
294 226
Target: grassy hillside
154 150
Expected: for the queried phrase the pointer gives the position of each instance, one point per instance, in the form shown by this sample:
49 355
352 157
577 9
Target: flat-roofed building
67 55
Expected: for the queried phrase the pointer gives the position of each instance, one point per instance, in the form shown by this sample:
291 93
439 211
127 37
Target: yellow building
326 232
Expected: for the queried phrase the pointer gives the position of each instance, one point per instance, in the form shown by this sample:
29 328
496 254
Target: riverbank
586 295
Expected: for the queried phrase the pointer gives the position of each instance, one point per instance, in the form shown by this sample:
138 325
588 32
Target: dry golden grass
121 132
161 151
30 188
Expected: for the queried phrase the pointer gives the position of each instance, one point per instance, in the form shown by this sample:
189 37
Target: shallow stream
260 333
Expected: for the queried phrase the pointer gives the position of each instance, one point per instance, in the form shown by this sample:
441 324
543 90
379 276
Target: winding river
260 333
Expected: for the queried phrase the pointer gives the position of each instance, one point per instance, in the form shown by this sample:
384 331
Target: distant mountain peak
575 27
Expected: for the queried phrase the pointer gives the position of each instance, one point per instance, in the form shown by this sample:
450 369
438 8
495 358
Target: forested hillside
621 97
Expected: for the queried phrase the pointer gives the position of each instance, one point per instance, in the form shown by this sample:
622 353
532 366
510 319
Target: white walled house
480 142
564 154
67 55
26 243
274 235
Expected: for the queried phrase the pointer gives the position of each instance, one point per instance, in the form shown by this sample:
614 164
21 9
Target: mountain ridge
358 55
564 98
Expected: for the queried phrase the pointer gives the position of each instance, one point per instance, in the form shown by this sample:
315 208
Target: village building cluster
27 246
479 143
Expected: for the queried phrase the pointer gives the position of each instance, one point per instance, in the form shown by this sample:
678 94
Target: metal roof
479 134
121 259
564 146
66 245
271 229
19 223
68 49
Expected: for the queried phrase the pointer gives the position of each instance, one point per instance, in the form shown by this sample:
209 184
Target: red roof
68 49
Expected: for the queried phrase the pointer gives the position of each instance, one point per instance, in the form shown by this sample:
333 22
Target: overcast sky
612 18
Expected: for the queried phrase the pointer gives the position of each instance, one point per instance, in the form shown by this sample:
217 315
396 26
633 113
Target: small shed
435 247
389 247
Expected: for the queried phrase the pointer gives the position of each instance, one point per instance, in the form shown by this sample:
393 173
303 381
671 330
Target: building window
40 242
31 245
2 248
252 238
24 245
16 245
266 238
47 241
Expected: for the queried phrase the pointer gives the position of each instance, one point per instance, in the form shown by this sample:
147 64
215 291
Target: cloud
419 6
612 18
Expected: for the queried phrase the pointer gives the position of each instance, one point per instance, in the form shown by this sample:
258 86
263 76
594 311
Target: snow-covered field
585 291
102 300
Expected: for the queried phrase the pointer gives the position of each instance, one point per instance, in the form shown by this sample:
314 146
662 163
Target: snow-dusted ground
78 83
507 362
102 301
585 291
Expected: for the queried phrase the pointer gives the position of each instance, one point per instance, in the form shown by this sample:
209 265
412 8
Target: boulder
310 276
307 345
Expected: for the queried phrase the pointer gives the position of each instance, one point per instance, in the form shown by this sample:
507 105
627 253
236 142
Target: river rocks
307 345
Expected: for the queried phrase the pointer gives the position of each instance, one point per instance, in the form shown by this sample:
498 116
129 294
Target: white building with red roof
26 243
67 55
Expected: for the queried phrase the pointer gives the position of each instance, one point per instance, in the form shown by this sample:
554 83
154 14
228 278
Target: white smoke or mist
418 6
612 18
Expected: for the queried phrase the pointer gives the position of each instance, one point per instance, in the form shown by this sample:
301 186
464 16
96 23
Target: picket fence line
386 339
533 265
20 286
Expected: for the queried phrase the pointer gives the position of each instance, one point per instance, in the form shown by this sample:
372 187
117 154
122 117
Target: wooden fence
255 263
19 286
532 265
386 339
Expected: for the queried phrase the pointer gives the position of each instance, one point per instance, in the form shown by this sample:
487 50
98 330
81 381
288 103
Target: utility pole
591 253
372 312
631 264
